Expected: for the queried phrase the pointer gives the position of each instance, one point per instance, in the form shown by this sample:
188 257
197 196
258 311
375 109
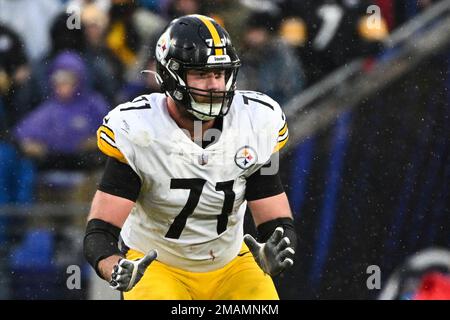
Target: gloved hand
273 256
126 273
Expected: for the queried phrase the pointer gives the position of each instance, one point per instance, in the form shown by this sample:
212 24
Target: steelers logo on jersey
245 157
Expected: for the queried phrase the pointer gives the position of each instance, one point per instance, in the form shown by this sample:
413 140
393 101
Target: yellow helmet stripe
214 34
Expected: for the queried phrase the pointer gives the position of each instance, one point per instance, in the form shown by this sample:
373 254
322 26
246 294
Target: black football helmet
196 42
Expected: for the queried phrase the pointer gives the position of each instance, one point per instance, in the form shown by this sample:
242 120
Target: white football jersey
191 205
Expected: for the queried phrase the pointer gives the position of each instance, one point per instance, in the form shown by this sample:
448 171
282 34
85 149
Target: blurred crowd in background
65 64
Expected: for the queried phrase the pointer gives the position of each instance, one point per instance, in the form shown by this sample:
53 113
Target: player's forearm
101 243
270 208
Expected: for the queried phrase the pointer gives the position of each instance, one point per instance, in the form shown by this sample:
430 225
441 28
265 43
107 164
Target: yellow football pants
241 279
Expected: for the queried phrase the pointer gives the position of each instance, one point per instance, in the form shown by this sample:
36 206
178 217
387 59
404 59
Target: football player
331 33
167 219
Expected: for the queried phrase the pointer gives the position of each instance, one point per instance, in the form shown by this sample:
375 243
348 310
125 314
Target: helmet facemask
209 104
213 103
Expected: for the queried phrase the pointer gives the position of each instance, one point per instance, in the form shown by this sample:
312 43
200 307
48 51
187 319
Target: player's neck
186 122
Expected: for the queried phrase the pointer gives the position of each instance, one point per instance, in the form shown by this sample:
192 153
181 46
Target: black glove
273 256
126 273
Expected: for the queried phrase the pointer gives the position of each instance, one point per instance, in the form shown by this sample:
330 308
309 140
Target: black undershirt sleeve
262 186
120 180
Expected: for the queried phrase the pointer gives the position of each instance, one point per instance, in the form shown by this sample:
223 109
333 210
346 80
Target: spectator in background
103 5
142 83
144 15
148 26
61 39
147 23
18 95
330 33
153 5
268 64
122 37
60 133
105 68
31 19
234 14
18 90
178 8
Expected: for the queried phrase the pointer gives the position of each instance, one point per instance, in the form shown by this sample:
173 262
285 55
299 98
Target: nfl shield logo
202 159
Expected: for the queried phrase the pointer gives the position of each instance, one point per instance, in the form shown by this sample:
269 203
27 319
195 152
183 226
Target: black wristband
100 241
266 229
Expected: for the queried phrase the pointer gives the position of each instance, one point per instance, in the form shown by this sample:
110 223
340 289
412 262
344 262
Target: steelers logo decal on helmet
245 157
162 47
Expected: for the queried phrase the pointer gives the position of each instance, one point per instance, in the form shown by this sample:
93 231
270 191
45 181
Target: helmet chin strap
150 71
156 75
